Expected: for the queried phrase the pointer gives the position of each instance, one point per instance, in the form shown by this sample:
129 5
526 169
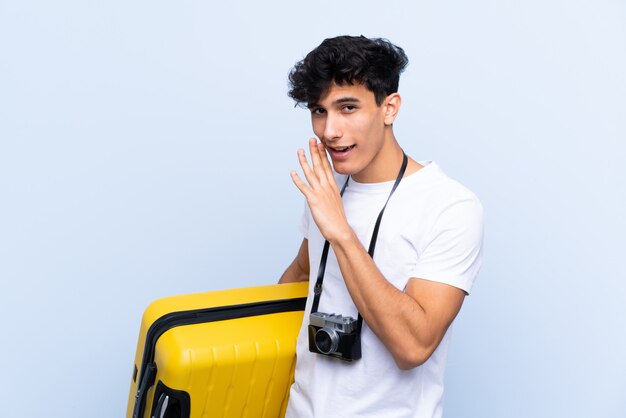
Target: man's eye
349 108
318 111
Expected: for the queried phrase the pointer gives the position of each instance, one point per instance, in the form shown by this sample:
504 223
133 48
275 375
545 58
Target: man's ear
391 107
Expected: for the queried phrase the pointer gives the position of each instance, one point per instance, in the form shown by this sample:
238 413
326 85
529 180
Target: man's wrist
343 238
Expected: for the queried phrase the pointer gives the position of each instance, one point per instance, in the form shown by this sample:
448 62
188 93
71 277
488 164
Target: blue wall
145 151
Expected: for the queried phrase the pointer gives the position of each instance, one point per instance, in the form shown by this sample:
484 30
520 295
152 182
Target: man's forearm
396 318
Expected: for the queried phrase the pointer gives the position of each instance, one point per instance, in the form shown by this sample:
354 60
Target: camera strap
317 290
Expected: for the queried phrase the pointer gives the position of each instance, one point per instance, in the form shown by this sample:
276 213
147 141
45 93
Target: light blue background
145 150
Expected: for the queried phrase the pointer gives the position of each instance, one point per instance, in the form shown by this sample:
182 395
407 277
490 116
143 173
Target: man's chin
342 168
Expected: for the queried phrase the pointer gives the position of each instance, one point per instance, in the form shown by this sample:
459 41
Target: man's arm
298 270
410 324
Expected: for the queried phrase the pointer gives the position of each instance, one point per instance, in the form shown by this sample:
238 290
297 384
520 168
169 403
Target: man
427 248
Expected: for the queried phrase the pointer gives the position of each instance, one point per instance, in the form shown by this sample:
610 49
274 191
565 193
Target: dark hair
375 63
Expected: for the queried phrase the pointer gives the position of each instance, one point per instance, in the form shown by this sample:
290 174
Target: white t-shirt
431 229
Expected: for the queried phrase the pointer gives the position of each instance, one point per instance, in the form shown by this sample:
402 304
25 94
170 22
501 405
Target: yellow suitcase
224 354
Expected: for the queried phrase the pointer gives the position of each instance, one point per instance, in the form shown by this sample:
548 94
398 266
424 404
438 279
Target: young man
427 245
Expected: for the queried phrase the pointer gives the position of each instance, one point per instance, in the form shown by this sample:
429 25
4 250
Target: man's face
351 126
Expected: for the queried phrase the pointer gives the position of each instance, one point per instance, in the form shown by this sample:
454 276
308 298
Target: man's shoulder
432 183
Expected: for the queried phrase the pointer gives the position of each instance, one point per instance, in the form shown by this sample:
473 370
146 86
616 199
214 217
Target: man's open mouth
341 149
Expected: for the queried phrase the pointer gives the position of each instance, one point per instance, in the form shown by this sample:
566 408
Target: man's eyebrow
336 102
346 100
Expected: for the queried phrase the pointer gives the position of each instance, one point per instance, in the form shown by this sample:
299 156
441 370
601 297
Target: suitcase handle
161 408
170 403
147 380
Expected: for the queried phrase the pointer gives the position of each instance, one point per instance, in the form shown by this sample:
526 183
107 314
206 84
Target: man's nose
332 128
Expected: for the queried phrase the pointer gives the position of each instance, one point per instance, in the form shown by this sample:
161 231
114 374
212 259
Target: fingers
316 159
315 156
321 174
310 176
326 165
302 186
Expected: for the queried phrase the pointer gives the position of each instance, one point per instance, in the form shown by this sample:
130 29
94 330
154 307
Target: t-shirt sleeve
304 222
452 251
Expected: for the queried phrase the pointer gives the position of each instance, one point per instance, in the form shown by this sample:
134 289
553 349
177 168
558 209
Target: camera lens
326 340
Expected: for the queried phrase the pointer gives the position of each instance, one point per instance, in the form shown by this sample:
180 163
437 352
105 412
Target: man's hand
322 193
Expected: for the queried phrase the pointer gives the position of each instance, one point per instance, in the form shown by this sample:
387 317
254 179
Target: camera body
334 336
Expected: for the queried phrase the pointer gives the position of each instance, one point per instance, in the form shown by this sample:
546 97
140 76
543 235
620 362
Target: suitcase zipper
148 369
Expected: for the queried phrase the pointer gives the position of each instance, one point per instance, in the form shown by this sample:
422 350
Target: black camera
335 336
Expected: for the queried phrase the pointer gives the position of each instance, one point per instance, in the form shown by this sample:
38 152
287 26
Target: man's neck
384 166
